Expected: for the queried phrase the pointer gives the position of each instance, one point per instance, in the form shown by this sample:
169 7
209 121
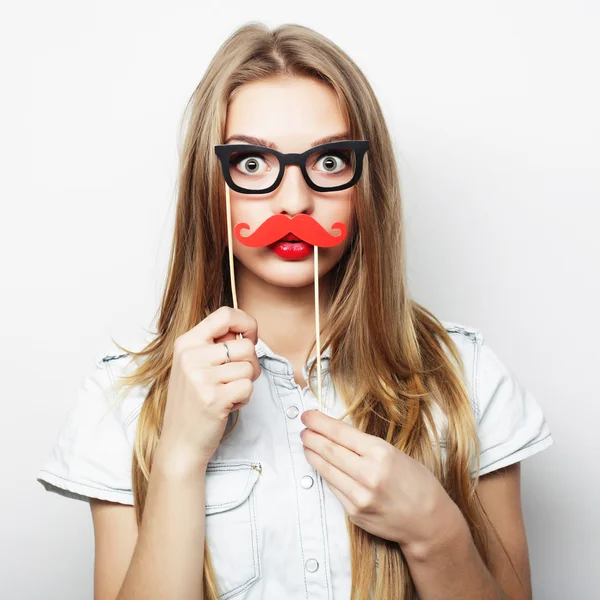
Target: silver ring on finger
227 359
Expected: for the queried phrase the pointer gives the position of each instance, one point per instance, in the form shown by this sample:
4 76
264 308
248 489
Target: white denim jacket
274 528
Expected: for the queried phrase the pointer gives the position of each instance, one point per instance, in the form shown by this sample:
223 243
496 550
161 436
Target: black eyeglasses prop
329 167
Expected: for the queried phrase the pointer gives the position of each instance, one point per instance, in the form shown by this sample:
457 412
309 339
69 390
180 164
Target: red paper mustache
304 226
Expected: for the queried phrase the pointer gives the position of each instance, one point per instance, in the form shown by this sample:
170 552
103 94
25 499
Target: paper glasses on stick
251 169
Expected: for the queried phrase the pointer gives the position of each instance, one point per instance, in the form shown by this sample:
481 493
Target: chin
292 273
287 273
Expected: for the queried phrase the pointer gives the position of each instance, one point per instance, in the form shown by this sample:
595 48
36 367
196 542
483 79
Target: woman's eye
248 164
332 163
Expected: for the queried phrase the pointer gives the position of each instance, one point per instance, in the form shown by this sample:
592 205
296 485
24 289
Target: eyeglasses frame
224 151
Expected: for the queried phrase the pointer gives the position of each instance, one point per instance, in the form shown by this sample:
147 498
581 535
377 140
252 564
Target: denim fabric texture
274 528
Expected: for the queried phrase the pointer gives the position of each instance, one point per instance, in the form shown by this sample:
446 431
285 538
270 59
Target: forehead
291 112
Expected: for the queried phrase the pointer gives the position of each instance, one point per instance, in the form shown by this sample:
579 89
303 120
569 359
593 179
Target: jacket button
311 565
307 482
292 412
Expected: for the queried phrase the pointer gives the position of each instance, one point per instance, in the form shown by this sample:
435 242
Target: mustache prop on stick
278 226
273 229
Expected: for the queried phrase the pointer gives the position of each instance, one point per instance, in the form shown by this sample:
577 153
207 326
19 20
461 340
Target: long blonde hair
388 360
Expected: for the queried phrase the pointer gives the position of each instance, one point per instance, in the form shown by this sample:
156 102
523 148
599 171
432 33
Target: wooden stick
230 244
318 326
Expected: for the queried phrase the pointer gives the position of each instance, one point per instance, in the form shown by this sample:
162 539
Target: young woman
207 471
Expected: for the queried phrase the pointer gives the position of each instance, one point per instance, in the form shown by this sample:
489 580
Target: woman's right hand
204 388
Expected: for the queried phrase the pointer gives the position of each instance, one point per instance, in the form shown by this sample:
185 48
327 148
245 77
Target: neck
285 315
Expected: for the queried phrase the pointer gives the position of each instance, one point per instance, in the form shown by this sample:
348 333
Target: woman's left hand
383 490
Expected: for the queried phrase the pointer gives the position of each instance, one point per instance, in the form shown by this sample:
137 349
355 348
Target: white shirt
274 528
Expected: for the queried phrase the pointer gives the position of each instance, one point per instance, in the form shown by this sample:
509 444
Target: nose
293 196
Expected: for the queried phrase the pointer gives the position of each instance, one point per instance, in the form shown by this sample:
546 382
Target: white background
493 107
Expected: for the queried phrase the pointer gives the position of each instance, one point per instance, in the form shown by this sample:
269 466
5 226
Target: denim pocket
232 524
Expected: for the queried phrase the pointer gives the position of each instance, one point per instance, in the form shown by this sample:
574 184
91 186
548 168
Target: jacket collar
262 349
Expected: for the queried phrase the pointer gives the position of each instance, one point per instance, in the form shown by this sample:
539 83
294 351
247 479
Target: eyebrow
250 139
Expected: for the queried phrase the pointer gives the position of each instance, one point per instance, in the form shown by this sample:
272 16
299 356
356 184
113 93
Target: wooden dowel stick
318 326
230 244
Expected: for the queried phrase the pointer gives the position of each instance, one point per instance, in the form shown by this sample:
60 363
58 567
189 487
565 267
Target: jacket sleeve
92 455
511 423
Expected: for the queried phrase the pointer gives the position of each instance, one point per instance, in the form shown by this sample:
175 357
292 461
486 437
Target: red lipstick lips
291 248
